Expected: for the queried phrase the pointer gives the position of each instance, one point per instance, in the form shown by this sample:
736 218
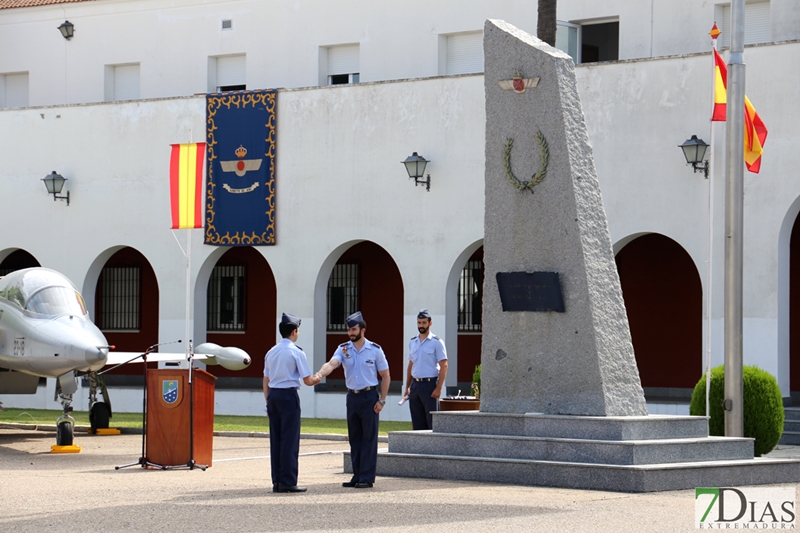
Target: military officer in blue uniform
362 361
285 365
427 368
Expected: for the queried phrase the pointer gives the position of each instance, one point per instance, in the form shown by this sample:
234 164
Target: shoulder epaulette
375 344
299 348
435 337
344 344
414 337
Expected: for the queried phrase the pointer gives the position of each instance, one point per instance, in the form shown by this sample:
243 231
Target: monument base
627 454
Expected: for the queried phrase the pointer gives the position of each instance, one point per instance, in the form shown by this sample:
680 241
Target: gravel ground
40 491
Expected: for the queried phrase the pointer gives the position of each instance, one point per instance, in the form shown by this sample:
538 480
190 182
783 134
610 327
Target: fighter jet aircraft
45 331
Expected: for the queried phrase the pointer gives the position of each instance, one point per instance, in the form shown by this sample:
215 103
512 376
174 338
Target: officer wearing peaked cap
285 365
363 361
426 372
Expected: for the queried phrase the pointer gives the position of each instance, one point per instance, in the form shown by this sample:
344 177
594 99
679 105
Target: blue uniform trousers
283 409
362 430
421 404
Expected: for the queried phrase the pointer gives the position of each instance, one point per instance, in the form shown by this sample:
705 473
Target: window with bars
470 297
120 302
226 296
343 294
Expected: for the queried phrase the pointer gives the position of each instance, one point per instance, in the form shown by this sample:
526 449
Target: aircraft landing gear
99 412
65 426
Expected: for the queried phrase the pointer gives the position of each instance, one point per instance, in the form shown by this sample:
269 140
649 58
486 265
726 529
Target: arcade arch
17 260
238 305
359 276
464 316
664 300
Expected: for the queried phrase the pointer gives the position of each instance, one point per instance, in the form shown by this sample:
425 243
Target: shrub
476 382
763 406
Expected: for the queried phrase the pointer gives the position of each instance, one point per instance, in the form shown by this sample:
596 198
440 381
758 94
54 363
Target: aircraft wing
231 358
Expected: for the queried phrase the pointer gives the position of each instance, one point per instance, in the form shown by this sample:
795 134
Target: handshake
314 379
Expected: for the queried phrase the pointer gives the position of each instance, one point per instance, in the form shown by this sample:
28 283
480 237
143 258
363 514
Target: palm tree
546 23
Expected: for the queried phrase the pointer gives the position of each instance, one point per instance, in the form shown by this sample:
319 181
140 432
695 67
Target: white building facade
362 87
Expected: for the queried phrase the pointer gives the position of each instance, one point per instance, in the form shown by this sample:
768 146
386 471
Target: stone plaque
530 291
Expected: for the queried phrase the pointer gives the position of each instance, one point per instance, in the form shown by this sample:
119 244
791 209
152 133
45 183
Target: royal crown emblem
518 83
242 166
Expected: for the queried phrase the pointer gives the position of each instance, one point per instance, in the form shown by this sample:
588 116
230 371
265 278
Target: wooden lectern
169 414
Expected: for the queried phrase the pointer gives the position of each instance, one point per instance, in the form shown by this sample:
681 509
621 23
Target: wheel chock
55 448
107 431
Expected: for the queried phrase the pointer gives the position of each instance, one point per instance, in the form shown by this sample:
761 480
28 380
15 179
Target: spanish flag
755 132
720 88
186 185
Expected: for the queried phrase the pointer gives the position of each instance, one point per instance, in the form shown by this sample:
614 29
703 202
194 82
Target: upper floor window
343 294
589 42
463 53
226 303
342 64
14 90
121 82
120 298
227 73
756 23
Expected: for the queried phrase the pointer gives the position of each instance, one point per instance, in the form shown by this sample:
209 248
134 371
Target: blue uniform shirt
361 368
425 356
285 365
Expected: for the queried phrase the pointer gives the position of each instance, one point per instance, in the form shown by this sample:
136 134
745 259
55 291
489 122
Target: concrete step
790 437
791 425
571 427
622 478
630 452
791 413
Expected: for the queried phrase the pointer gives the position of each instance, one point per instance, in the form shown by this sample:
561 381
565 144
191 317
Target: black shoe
275 487
350 484
363 485
287 488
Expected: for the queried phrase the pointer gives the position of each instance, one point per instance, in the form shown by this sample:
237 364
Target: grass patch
221 422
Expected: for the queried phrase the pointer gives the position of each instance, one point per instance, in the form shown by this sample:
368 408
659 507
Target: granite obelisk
555 333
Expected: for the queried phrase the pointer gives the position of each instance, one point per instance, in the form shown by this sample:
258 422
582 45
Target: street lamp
694 150
54 183
67 29
415 166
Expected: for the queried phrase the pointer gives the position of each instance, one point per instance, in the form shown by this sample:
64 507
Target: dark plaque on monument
530 291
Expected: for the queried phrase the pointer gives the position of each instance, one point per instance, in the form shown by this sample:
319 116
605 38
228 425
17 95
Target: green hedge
763 406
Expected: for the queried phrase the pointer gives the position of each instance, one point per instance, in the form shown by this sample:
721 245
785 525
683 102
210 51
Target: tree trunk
546 23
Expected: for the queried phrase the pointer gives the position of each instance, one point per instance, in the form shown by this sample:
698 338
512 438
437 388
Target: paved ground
83 492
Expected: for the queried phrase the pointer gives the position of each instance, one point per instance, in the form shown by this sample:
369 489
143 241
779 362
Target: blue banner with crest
240 168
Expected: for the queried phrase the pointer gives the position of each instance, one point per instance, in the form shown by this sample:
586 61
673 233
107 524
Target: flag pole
710 270
734 217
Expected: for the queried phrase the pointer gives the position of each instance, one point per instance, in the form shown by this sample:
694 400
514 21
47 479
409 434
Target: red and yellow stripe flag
720 88
755 132
186 185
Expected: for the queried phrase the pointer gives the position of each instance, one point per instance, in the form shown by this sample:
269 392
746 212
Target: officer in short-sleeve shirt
425 376
362 361
285 365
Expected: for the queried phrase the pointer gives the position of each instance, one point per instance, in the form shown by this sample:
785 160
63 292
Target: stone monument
561 403
555 333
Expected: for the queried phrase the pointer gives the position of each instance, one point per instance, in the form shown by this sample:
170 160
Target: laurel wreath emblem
544 156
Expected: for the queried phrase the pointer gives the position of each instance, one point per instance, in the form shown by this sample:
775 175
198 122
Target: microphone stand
143 462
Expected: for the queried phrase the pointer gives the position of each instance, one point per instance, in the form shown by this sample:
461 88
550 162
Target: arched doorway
241 302
126 308
794 308
470 319
365 278
664 299
17 260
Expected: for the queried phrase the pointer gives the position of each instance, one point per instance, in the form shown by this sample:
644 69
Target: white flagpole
710 271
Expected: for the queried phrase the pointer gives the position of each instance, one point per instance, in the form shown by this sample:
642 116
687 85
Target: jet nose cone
95 355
